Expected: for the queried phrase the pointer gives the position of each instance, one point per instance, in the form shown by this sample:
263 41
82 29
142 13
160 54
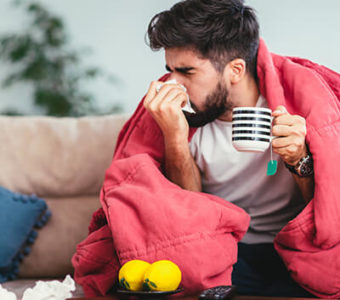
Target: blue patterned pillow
19 216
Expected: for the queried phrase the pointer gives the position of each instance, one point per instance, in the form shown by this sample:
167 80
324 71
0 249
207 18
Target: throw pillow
20 215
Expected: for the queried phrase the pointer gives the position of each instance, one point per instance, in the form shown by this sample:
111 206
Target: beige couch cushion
56 242
57 156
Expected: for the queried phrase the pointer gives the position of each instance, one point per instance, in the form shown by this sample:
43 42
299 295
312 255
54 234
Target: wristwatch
304 167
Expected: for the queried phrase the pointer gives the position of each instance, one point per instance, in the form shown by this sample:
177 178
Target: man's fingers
291 132
281 130
281 142
173 97
166 95
152 92
283 120
295 142
280 110
286 152
169 88
155 94
181 99
289 120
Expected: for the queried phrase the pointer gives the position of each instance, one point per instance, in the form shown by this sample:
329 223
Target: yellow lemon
131 274
162 275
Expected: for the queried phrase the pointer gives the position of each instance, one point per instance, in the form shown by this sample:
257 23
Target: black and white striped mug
251 128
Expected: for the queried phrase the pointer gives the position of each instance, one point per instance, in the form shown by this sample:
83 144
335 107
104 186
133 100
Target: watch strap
291 168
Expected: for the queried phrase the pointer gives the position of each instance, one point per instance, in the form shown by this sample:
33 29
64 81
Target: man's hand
291 132
165 108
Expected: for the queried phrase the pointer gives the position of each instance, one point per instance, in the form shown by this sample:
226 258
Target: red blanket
147 217
310 244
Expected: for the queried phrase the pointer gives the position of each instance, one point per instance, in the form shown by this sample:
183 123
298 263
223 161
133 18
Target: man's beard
216 104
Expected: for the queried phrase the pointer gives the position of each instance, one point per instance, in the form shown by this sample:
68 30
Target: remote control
218 292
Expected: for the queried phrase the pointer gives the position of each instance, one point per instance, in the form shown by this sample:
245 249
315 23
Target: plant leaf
40 56
121 282
146 287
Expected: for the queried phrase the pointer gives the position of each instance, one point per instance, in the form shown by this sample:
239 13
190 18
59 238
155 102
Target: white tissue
187 106
6 295
50 290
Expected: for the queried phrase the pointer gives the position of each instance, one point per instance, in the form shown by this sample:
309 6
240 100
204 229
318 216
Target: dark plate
150 294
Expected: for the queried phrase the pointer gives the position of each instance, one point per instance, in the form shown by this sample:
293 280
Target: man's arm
306 185
180 167
165 107
291 146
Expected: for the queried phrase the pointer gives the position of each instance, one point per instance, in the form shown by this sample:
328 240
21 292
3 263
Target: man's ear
235 70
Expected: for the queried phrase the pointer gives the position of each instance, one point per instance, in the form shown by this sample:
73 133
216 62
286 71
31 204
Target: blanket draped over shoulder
145 216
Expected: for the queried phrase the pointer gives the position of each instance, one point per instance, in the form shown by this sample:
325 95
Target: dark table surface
120 297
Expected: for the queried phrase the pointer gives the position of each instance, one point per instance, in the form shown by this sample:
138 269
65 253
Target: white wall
115 30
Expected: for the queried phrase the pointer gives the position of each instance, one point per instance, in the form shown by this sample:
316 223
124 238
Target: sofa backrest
56 157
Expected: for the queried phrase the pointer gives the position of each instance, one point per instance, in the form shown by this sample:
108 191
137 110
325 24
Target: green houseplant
40 55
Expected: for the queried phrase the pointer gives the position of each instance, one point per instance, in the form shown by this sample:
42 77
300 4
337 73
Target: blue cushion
19 216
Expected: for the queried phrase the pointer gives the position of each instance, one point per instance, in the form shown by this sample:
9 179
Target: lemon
162 275
131 274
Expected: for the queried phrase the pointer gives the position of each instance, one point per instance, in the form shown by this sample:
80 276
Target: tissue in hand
187 106
51 290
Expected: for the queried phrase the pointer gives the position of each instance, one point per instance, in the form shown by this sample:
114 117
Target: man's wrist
304 167
176 142
304 153
177 147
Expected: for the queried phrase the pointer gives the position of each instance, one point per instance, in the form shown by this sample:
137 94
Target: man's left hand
291 132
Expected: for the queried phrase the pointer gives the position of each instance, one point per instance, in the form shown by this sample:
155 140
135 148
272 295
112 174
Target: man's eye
184 72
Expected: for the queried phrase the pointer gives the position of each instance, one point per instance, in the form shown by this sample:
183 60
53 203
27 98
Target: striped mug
251 128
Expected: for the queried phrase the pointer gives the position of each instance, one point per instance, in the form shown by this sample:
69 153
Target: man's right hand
165 107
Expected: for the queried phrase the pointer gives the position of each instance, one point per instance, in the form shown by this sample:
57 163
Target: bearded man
211 49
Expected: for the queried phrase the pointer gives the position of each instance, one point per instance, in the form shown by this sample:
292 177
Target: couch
62 160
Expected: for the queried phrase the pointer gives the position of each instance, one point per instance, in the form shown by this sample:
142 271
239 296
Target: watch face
306 168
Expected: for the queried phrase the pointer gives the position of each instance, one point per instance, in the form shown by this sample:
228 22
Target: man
211 49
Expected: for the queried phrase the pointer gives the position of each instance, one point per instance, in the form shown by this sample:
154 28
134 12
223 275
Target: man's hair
219 30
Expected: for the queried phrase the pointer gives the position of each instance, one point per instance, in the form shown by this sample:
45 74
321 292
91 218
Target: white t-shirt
240 177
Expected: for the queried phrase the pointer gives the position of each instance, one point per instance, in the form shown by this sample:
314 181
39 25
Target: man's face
206 87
